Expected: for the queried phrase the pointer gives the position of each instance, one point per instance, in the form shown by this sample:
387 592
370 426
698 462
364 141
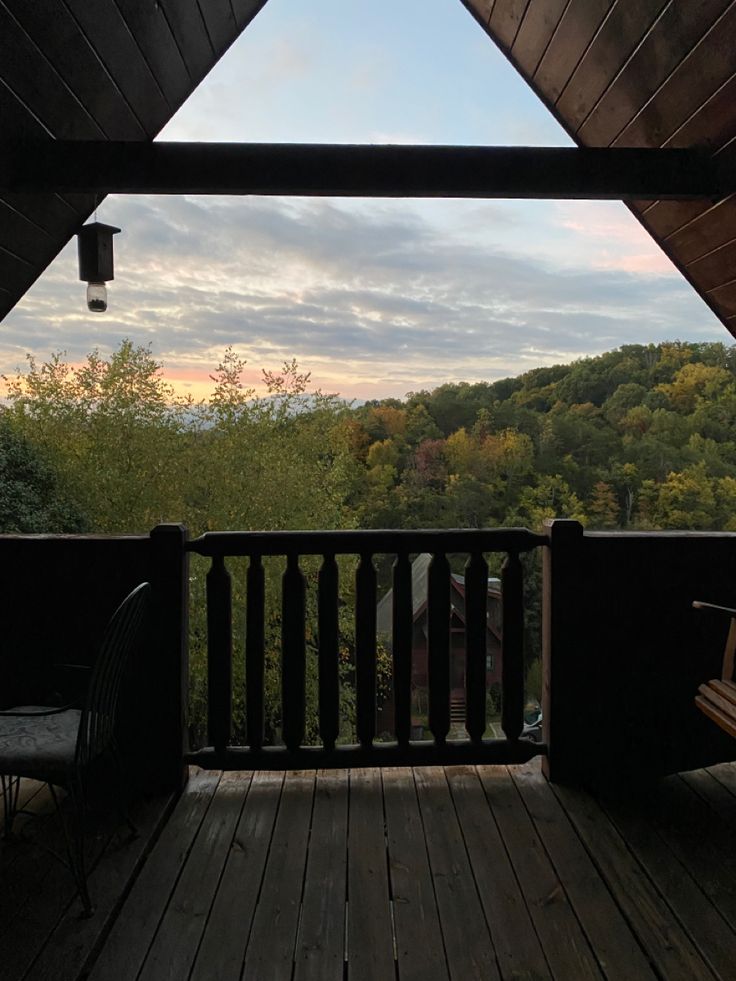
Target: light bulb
97 297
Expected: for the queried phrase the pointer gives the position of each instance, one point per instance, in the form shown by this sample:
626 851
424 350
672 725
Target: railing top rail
364 541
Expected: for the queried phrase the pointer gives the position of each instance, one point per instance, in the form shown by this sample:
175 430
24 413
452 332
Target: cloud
374 300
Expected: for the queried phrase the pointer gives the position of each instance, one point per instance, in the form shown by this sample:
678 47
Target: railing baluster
476 629
438 646
329 653
293 659
219 654
512 588
254 653
365 649
402 629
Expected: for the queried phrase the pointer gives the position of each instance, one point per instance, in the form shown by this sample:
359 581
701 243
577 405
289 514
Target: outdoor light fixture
95 262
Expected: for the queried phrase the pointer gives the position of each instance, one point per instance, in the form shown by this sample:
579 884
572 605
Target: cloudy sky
375 298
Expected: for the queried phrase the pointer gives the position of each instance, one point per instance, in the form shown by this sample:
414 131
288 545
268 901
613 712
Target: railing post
476 628
219 655
293 664
402 629
512 598
254 652
438 647
365 649
566 645
329 653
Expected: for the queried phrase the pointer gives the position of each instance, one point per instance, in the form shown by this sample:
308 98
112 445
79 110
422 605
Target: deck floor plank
426 874
320 954
713 792
127 945
420 953
563 940
615 946
174 948
33 921
370 930
222 951
702 841
725 774
468 945
24 867
270 952
517 946
658 930
75 938
709 932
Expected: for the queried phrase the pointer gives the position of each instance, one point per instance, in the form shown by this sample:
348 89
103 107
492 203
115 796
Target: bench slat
720 710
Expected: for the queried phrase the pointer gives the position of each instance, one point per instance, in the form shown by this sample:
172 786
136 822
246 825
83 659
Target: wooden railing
365 545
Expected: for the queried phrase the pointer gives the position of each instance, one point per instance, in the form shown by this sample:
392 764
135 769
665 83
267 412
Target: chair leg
10 787
74 838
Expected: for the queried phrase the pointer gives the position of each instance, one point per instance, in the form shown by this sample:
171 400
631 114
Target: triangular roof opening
384 72
573 55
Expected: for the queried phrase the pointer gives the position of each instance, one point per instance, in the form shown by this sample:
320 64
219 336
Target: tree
111 428
603 508
31 499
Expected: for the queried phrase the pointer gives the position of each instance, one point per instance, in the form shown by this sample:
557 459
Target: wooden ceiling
619 73
640 73
93 70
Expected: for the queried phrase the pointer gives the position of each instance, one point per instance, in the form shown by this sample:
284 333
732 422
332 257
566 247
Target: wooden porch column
164 687
565 649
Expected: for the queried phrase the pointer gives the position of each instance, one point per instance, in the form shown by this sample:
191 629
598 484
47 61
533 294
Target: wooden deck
428 874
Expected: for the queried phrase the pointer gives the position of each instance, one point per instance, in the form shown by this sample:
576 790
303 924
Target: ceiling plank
48 211
57 35
716 268
220 23
480 9
724 297
21 237
505 20
149 27
712 125
705 233
664 47
698 76
187 25
536 30
38 87
576 30
110 36
380 171
246 10
623 29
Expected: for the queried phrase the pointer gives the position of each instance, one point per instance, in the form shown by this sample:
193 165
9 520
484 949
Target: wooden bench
717 698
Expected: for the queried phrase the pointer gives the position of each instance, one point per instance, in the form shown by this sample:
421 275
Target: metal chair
58 746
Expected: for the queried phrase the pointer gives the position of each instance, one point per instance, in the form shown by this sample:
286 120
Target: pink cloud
624 244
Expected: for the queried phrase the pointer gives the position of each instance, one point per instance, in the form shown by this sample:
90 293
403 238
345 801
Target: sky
375 298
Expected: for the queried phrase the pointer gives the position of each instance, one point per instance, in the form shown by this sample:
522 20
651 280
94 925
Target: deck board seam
559 872
429 867
182 865
512 864
222 871
265 868
648 878
470 865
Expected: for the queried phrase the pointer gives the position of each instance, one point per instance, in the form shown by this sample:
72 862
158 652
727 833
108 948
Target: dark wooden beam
363 171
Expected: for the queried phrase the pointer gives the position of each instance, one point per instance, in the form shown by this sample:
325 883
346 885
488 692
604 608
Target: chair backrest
121 637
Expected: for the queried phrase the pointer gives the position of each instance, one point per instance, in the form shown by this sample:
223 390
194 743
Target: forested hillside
640 437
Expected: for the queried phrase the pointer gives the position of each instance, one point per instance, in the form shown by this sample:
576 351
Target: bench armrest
700 605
